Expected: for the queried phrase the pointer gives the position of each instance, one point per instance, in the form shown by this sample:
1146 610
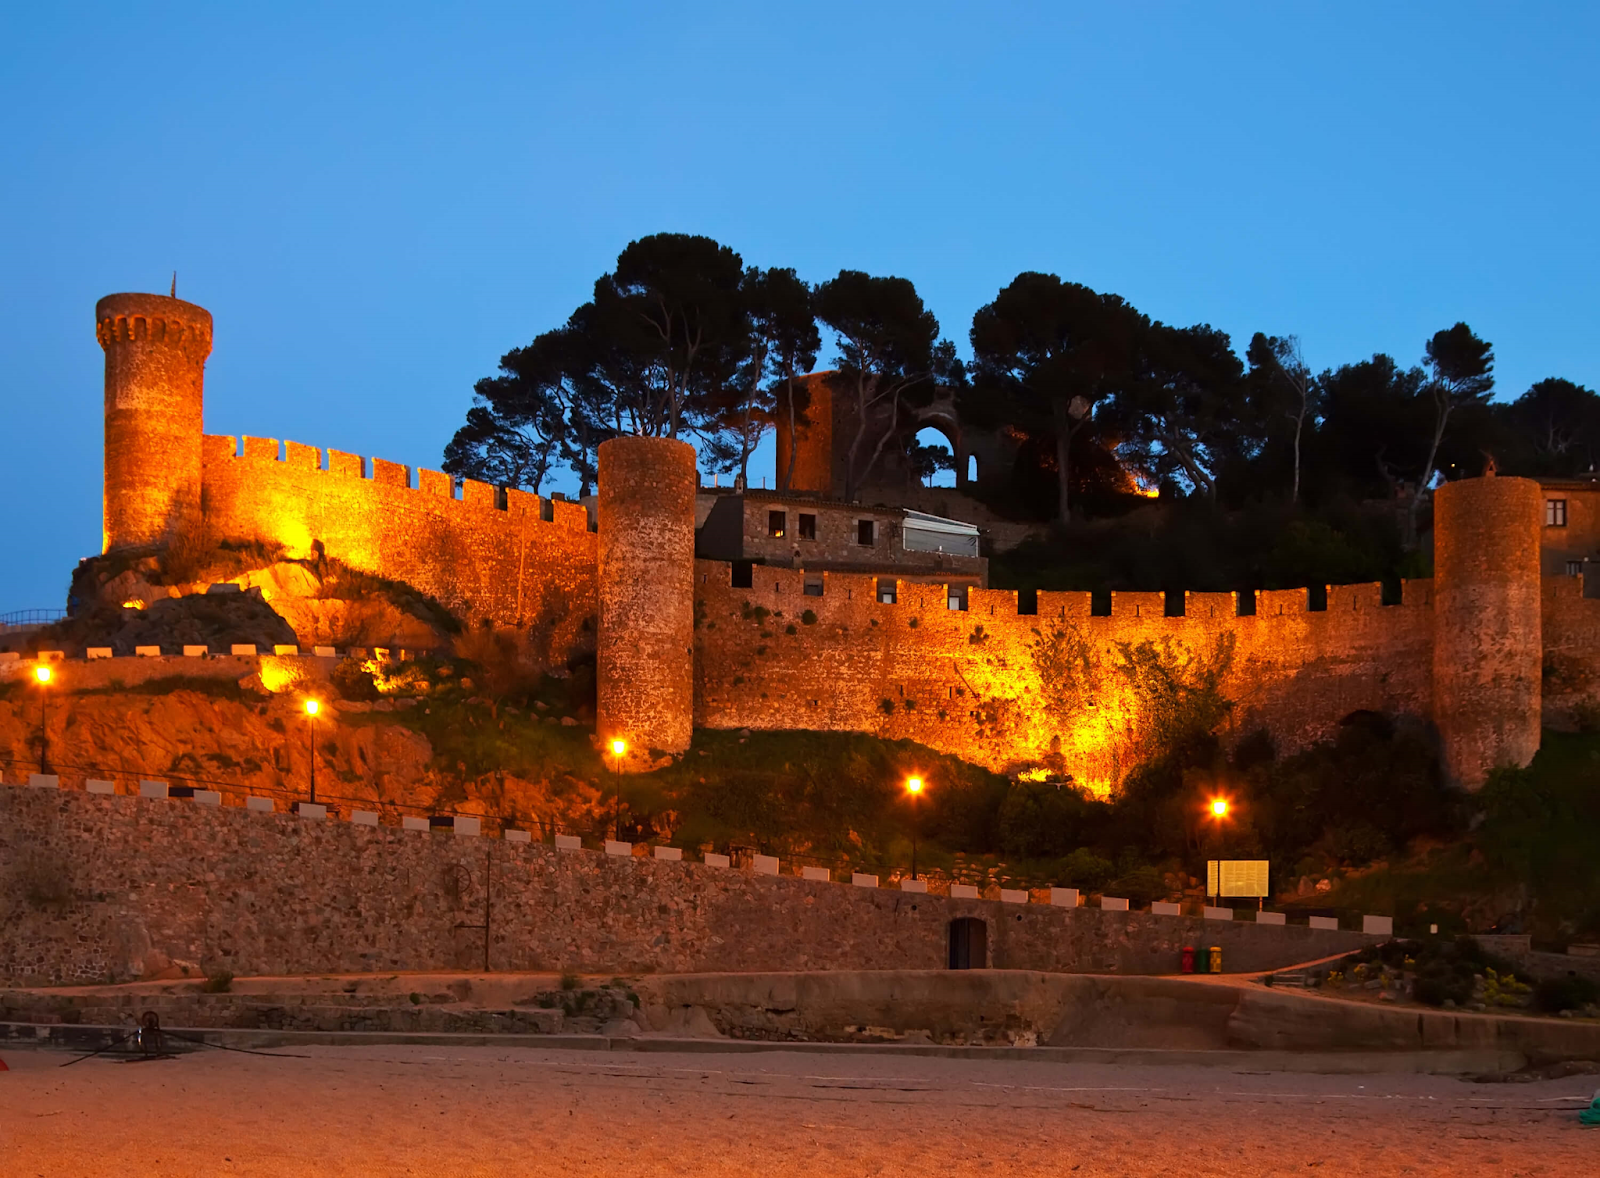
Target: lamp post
618 747
312 708
1219 814
913 791
43 674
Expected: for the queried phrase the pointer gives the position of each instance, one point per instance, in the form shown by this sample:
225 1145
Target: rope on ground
100 1051
224 1047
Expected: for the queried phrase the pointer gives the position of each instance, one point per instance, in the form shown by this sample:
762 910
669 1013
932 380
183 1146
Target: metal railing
29 619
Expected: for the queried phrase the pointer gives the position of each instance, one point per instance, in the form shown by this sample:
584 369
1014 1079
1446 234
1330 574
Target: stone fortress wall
1007 690
1470 652
512 558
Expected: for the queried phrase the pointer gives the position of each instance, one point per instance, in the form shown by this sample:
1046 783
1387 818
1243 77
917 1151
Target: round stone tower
811 442
646 568
156 349
1487 646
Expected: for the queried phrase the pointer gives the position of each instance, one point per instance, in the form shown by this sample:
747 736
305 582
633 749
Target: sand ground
480 1111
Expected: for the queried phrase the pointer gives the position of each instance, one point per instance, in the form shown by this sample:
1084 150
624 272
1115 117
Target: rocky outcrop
216 621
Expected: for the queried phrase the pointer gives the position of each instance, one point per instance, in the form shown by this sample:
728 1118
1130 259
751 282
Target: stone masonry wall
1011 691
99 887
504 555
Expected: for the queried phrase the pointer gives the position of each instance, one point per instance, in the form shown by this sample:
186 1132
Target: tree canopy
1098 402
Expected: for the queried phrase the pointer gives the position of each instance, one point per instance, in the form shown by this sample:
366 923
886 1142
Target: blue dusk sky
376 203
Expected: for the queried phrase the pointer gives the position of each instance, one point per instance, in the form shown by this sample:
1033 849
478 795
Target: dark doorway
969 943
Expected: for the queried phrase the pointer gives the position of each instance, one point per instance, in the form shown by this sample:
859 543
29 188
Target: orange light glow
1219 808
42 673
135 604
913 785
312 707
618 747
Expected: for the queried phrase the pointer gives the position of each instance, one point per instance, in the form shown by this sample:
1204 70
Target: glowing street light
618 747
312 708
914 791
1219 808
43 675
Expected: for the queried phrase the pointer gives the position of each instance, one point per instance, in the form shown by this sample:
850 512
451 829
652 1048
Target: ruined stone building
792 630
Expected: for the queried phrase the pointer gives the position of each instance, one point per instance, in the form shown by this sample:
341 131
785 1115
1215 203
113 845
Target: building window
1574 568
956 596
1555 513
813 587
777 522
808 526
866 532
886 590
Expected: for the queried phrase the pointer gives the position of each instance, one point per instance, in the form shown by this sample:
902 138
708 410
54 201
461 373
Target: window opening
777 524
866 532
744 574
1555 513
808 526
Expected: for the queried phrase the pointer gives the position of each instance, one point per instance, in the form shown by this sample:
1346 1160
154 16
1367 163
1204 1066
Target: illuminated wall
490 554
971 683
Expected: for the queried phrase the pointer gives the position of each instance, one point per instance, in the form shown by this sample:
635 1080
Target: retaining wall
103 888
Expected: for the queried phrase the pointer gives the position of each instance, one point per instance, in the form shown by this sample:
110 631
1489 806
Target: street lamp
43 674
312 708
914 791
1219 808
618 747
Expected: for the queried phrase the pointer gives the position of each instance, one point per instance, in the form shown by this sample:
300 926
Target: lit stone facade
679 644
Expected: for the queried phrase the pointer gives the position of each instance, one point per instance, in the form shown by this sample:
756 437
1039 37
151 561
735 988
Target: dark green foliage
1046 820
830 793
1569 992
809 618
1361 796
1190 545
1540 827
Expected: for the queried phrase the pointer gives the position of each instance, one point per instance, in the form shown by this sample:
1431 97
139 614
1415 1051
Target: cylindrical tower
811 442
1487 647
646 568
156 349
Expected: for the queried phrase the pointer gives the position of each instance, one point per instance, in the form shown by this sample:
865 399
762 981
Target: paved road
472 1111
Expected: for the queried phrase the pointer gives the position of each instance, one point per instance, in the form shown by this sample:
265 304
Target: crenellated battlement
474 496
145 318
825 589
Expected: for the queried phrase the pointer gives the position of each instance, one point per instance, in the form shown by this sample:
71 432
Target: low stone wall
100 888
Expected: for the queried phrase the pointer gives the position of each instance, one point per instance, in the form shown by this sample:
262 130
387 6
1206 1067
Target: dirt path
479 1111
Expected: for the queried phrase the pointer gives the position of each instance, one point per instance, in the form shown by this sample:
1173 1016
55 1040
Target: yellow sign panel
1237 877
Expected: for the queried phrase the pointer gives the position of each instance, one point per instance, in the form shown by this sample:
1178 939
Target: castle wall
503 555
1009 691
1570 623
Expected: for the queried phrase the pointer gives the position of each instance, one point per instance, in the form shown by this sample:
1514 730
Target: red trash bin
1186 962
